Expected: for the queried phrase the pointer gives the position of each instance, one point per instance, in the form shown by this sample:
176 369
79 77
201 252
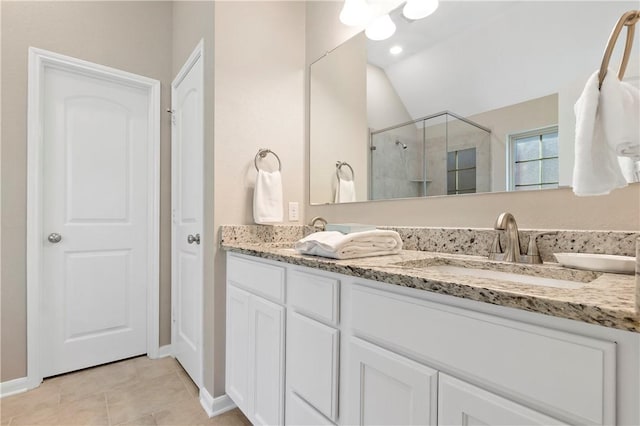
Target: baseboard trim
164 351
15 386
215 406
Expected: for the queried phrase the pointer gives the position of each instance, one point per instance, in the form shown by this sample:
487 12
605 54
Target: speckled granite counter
606 299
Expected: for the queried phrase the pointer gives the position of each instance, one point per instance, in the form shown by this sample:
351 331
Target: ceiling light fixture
418 9
355 13
395 50
381 28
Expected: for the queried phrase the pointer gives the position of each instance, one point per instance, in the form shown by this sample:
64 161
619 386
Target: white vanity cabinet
364 352
255 339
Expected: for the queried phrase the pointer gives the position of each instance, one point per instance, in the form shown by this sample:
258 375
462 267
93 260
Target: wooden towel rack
628 19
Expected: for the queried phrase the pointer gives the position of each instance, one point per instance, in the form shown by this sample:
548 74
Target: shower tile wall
397 172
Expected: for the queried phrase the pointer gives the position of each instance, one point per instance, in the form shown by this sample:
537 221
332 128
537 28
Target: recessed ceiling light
395 50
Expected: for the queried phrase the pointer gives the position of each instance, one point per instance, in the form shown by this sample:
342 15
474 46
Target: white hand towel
267 198
596 170
620 104
337 245
345 191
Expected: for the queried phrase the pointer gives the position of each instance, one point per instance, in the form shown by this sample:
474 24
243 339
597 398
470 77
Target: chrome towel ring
339 165
262 152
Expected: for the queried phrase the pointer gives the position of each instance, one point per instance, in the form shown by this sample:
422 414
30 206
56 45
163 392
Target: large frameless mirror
478 97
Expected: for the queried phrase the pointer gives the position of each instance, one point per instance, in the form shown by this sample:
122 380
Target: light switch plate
294 211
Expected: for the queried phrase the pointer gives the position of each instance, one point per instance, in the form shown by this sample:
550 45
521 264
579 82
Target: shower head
403 145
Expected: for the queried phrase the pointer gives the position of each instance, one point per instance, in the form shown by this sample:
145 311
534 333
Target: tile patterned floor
137 391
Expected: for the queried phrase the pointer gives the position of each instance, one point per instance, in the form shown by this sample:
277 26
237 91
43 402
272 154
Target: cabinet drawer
312 363
258 277
314 295
568 375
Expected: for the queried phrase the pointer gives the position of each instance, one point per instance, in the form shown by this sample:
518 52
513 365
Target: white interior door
187 145
97 139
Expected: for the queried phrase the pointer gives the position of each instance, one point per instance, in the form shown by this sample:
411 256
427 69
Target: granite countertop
605 299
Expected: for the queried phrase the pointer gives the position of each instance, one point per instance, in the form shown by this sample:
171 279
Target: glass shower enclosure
441 154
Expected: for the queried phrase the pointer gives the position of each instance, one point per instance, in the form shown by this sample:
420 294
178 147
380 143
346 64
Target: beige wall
539 209
132 36
192 21
259 88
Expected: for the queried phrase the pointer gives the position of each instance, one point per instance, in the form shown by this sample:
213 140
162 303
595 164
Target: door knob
193 239
54 238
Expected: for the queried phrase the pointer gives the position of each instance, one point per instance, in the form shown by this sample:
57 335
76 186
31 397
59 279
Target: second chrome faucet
512 252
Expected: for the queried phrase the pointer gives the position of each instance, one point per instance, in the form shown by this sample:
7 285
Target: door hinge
173 115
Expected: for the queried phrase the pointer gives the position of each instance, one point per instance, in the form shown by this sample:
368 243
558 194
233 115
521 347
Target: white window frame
510 144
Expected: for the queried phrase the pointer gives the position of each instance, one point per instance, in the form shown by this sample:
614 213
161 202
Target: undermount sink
535 275
508 276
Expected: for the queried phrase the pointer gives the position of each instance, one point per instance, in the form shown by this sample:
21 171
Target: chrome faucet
506 222
314 223
512 253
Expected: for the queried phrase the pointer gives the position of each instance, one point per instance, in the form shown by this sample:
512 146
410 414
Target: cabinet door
299 413
237 368
460 403
312 363
388 389
266 368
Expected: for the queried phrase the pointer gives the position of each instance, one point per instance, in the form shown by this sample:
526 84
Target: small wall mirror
477 97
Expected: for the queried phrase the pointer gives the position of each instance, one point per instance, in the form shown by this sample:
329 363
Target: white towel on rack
267 198
345 191
604 124
620 103
337 245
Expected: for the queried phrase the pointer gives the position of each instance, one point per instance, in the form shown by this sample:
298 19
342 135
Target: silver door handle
54 238
193 239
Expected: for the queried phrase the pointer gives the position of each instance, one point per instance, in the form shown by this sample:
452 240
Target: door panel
187 150
388 389
460 403
99 160
95 194
237 347
187 324
96 294
267 366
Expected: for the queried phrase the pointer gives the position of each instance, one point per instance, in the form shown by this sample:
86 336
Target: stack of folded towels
337 245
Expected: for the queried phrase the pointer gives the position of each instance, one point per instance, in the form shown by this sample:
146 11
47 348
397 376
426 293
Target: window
461 171
534 159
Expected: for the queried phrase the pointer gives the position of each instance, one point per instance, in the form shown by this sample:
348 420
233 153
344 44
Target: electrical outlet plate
294 209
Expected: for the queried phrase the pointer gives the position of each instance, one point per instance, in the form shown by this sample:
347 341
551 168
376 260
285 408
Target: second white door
187 157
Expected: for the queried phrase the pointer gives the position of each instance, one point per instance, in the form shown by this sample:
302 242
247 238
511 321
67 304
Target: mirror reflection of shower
403 145
435 155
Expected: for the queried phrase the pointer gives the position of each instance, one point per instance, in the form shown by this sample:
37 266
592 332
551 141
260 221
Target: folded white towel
596 170
345 191
267 197
337 245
